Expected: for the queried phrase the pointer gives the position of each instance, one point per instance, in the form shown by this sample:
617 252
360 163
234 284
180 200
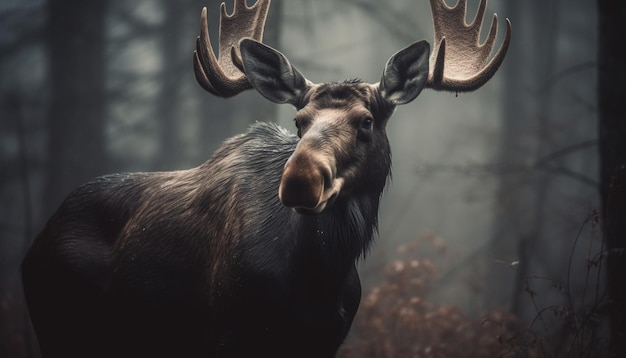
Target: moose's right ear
405 73
270 73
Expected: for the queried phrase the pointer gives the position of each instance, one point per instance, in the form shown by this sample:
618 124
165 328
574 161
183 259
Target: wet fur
203 262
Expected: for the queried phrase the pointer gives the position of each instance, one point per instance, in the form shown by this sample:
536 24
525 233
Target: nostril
328 180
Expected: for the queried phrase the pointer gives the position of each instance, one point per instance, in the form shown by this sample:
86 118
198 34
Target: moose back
253 253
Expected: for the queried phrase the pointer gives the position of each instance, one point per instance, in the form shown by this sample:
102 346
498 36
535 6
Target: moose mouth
319 208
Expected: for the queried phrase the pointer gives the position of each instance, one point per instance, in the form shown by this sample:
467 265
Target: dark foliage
398 319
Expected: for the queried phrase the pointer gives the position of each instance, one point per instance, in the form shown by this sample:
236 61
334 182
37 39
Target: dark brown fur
198 262
226 260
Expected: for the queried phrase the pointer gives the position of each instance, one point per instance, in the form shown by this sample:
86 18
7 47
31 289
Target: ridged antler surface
221 75
459 62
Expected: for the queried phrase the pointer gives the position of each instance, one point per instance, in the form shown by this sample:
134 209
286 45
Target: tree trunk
76 150
518 226
612 140
172 34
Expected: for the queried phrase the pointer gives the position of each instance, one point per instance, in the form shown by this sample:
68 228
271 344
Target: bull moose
254 252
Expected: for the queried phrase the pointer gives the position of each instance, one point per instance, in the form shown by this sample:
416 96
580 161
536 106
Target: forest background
491 226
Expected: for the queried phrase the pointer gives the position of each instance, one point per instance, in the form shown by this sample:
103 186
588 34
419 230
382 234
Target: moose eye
365 129
298 127
367 124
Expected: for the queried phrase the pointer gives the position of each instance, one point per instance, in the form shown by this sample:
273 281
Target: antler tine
222 75
459 62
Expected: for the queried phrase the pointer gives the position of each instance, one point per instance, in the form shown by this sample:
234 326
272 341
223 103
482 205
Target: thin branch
567 72
566 151
542 163
572 175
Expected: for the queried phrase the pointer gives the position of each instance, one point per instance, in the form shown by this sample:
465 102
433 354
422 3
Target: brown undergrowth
396 320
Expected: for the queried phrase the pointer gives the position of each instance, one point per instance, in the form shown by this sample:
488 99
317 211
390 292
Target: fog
497 188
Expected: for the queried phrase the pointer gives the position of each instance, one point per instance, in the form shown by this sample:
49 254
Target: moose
254 252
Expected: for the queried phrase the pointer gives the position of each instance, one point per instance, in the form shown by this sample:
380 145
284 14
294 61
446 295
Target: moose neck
342 233
327 248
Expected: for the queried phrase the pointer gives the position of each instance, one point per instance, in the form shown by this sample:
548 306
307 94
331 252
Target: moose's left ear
405 73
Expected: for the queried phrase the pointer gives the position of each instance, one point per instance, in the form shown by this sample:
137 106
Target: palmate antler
459 62
222 76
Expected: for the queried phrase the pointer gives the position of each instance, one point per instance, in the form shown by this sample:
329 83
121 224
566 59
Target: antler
222 76
459 61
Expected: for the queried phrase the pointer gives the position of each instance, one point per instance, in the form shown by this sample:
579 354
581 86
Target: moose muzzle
309 181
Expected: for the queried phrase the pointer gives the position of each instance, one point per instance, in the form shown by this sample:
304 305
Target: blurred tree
172 33
516 229
612 137
75 42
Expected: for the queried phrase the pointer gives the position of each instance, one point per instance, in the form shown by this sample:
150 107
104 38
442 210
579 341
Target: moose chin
254 252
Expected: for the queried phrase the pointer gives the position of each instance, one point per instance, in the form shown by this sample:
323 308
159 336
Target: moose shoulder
253 253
